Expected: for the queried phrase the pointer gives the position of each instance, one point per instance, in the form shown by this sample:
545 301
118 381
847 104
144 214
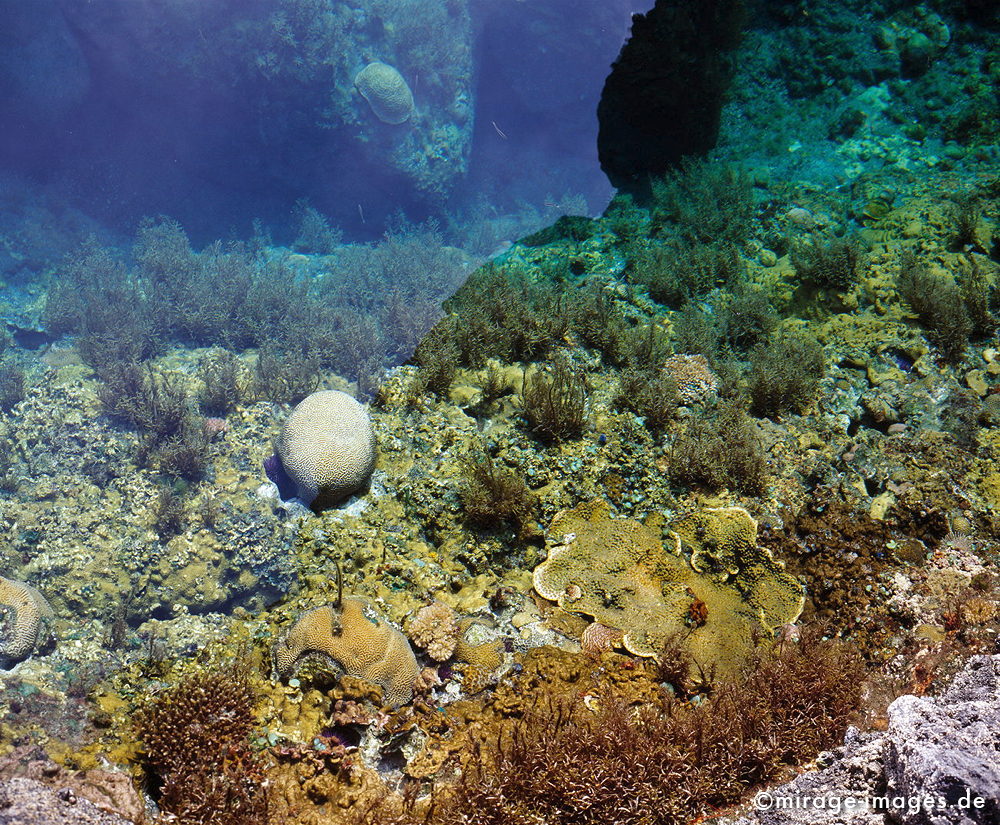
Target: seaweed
720 451
937 302
667 761
650 394
555 402
169 516
703 203
224 382
493 496
183 455
437 355
284 377
834 265
195 741
965 213
784 374
145 398
679 272
12 384
745 317
315 234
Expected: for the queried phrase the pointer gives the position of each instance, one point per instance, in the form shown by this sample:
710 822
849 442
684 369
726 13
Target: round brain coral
386 92
358 641
327 447
23 613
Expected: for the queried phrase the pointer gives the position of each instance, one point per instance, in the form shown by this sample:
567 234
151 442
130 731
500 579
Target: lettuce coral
711 588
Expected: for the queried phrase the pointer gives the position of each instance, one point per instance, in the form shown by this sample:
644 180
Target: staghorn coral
360 643
696 382
435 629
714 588
327 447
23 616
386 92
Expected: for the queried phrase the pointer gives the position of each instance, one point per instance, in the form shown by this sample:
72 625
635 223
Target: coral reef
358 642
434 628
696 382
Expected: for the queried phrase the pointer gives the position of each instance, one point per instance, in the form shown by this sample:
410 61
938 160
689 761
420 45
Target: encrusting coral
712 589
435 629
358 641
481 658
23 613
327 447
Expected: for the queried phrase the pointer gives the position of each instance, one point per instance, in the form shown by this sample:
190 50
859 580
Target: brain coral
23 612
386 92
359 641
327 447
695 380
618 572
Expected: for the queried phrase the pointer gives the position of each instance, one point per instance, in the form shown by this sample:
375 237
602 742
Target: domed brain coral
327 447
386 92
23 611
358 641
618 572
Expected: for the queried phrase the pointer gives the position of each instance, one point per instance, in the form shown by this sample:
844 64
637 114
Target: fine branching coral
668 762
196 747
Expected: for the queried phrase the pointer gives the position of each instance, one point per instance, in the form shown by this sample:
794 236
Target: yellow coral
618 572
23 612
359 641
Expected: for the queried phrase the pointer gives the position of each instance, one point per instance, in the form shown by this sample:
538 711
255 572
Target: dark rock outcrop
938 763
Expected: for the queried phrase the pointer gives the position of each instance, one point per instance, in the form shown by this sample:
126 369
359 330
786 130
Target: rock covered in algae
711 589
23 615
358 641
327 447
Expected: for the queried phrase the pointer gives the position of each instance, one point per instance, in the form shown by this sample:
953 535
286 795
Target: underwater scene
500 412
